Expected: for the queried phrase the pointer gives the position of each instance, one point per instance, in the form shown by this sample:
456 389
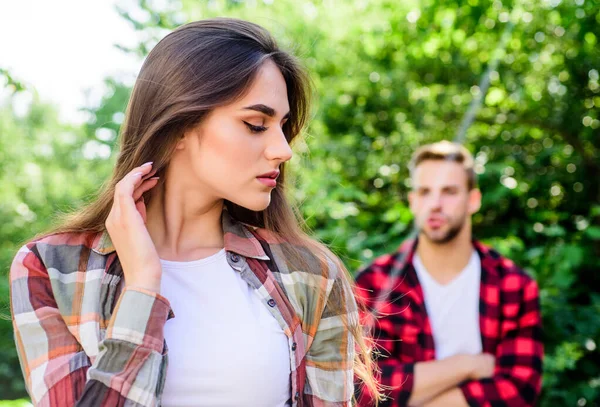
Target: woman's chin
256 205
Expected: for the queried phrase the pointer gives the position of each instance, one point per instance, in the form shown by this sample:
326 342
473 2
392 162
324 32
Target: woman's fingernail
135 174
154 178
148 163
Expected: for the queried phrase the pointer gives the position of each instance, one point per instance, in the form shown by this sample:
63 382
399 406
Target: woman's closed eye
255 129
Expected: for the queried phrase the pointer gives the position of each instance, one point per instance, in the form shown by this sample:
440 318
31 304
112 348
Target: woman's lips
269 178
270 182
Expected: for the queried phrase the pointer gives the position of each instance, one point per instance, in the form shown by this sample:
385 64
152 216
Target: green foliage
15 403
11 83
390 76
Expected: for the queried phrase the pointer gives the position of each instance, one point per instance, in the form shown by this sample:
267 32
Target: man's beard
450 235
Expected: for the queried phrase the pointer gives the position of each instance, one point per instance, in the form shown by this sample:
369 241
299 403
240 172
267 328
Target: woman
194 220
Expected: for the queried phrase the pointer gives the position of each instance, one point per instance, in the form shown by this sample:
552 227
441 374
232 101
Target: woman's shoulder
300 254
61 250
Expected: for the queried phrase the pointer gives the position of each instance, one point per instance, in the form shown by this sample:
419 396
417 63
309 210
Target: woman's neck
183 224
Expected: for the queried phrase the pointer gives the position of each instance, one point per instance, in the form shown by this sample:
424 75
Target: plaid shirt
510 324
83 339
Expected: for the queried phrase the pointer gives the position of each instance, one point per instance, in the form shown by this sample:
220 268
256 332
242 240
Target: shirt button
271 303
294 346
235 258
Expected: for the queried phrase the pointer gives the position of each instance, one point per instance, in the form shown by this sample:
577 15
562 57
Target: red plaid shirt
510 323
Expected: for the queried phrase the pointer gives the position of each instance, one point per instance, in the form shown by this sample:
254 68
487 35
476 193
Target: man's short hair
446 151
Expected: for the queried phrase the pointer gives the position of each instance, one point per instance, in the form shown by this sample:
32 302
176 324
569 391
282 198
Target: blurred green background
389 76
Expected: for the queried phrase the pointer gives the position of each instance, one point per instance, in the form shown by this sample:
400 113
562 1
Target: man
461 325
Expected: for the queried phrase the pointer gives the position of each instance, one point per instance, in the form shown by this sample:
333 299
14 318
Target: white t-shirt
453 309
225 348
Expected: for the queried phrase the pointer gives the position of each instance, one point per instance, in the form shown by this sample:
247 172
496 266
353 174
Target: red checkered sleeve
517 378
57 370
397 372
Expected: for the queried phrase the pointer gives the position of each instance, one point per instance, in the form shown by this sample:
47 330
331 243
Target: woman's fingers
145 186
141 208
125 188
150 174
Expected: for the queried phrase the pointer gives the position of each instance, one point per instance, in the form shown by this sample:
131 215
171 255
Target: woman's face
236 152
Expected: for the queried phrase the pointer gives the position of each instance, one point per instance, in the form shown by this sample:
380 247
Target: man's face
441 201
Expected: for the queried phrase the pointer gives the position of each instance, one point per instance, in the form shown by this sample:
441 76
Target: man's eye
255 129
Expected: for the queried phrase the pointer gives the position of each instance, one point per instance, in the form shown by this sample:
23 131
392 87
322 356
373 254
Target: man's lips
436 222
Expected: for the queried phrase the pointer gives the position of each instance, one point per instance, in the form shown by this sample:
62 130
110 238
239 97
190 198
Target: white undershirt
225 348
453 309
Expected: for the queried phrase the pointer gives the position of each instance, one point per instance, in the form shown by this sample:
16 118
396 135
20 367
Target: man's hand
481 366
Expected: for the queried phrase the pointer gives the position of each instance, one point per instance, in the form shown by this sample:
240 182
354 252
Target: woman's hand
126 225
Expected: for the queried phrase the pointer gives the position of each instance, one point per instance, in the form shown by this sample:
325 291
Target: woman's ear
182 141
189 136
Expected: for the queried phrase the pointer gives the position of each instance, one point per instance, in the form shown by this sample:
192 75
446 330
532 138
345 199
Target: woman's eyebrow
269 111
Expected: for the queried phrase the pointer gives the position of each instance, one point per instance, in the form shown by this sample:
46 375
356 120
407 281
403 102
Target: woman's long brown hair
193 70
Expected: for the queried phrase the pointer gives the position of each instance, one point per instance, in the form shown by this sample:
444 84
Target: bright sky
64 49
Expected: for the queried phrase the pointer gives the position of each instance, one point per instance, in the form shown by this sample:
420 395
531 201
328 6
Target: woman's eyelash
255 129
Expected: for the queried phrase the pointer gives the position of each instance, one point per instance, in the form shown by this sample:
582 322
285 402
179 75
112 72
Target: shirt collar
238 238
490 259
406 252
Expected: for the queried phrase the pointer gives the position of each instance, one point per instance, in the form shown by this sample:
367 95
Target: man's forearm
451 398
437 377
